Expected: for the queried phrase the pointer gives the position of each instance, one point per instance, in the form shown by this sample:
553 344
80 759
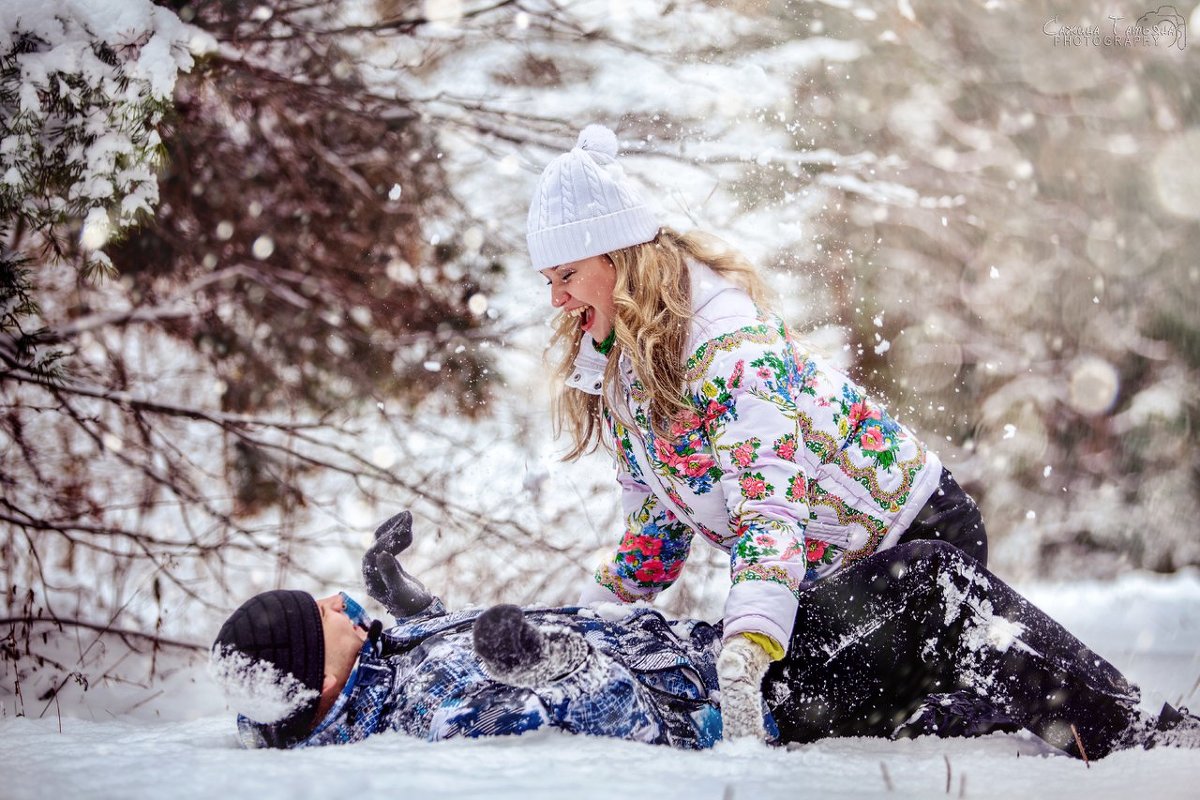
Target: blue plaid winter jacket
645 679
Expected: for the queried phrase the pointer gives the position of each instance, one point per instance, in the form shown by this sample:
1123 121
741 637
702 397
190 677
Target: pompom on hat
584 205
269 660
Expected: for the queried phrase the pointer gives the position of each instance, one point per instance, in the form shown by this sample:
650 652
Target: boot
960 713
1174 728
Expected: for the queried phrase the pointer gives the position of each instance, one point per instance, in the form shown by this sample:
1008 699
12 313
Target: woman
721 423
830 509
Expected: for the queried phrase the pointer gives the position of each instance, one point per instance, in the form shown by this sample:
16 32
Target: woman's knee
923 555
968 536
951 515
972 539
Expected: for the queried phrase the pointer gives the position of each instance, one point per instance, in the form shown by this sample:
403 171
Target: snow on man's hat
584 205
269 659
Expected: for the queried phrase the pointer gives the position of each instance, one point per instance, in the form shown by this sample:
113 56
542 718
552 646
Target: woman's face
584 289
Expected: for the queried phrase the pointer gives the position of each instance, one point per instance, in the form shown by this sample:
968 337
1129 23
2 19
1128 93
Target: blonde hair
653 320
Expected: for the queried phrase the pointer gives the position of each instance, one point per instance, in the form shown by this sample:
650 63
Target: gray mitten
518 653
387 582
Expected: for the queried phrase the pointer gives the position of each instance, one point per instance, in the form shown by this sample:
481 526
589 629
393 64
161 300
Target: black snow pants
923 620
951 516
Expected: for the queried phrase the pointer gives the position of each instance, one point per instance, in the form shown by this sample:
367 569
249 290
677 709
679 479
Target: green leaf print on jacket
762 547
862 423
624 446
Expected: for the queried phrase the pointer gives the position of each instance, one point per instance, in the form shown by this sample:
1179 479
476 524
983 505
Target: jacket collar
588 374
707 285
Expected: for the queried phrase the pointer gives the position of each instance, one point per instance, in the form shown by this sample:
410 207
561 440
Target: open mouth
585 314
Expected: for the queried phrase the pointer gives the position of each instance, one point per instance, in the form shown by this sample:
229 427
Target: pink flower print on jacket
819 553
785 447
664 452
744 454
876 435
684 459
796 548
646 545
655 571
754 486
651 571
714 412
872 440
697 464
859 412
691 464
735 377
816 549
684 424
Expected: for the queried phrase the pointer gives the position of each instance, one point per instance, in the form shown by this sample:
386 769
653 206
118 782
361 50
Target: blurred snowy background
263 284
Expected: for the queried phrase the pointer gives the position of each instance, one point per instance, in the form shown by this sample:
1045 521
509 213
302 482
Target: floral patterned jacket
782 461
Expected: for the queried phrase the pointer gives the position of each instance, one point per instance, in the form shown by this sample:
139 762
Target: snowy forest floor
1149 626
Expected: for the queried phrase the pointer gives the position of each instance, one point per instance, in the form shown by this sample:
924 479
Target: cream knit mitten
740 671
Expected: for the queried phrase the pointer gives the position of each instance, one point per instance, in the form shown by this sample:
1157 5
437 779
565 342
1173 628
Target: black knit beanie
283 629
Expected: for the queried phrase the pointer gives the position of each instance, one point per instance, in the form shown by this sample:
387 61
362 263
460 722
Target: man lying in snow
917 639
305 672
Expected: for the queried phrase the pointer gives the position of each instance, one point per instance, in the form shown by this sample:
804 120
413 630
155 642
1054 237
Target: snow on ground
198 760
1149 626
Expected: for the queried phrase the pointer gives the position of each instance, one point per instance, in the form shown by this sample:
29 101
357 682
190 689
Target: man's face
343 639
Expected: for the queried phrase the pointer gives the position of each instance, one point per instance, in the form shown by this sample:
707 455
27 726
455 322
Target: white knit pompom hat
585 206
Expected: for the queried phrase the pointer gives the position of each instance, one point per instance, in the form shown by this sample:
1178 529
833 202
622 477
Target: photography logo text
1162 28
